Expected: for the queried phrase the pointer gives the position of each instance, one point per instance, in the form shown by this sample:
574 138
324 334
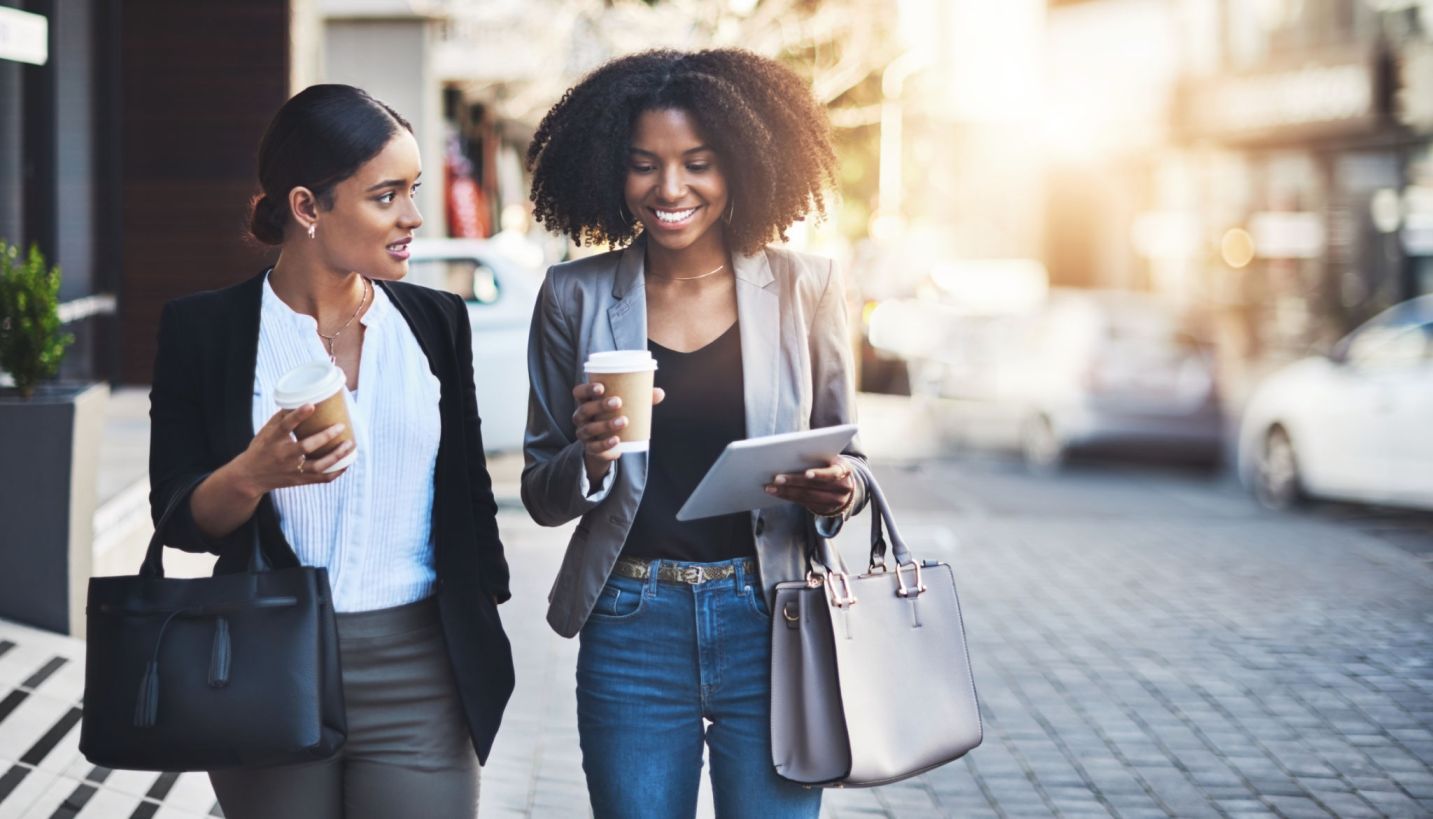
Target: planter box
49 457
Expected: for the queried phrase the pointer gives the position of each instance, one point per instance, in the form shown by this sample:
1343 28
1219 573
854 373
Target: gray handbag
870 682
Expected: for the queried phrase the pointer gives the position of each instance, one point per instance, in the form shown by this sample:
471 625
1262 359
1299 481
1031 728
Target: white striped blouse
372 528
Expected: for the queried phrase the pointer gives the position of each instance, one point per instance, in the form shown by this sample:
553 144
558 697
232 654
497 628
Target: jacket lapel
758 308
428 334
627 320
627 316
242 358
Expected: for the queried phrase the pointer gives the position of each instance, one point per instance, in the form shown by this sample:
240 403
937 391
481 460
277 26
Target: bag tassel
146 710
219 656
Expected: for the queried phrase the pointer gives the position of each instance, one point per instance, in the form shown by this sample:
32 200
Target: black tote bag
236 670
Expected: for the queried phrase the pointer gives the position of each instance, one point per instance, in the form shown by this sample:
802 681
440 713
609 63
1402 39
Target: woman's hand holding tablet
803 467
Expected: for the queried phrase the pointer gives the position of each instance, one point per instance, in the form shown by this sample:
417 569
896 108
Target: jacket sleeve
491 561
554 477
179 456
833 400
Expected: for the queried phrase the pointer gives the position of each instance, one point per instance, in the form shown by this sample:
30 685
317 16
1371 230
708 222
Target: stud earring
312 228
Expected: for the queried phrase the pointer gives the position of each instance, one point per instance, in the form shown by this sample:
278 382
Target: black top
201 417
703 412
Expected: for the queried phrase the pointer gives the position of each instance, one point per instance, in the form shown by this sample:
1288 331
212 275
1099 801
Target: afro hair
772 138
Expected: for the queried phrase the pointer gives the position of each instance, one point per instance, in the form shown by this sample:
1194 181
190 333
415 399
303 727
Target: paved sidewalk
1151 649
1193 657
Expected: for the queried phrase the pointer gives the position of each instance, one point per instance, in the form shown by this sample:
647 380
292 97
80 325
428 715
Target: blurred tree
841 46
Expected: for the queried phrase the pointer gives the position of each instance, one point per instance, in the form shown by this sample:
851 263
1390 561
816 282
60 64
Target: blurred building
57 180
1110 69
1300 124
1265 162
127 136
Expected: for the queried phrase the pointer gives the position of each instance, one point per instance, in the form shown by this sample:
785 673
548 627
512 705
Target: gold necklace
718 269
331 339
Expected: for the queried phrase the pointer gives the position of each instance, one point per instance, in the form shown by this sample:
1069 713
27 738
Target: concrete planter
49 457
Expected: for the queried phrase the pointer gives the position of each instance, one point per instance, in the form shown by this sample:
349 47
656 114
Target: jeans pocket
619 601
756 602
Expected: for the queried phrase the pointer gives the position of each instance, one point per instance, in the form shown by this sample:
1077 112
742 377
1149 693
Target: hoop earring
626 214
731 211
312 228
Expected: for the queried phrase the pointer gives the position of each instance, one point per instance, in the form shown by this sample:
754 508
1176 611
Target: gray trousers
408 751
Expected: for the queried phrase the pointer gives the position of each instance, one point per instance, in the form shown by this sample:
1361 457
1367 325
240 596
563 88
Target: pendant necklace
331 339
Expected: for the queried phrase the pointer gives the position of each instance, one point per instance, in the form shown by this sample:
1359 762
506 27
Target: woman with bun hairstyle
407 530
694 162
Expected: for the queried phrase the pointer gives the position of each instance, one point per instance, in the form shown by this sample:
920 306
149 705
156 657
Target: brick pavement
1186 657
1209 660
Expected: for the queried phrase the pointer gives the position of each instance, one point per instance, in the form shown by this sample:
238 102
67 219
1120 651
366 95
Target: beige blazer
795 355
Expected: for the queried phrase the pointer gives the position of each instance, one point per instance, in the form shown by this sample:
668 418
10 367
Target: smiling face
675 186
374 214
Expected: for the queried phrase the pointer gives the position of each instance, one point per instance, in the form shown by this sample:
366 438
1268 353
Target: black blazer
201 406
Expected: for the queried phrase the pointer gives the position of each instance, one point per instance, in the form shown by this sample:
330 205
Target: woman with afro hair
692 162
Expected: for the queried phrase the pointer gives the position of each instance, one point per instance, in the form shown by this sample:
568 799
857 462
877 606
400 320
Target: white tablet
737 481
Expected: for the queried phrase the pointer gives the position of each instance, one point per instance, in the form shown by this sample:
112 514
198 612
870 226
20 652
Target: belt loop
654 568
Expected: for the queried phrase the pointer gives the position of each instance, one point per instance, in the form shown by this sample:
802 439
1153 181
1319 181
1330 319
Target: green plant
31 342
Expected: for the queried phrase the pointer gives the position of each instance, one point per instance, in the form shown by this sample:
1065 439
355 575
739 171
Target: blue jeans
656 660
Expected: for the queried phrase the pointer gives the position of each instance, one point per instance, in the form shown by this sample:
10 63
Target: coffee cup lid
620 361
308 384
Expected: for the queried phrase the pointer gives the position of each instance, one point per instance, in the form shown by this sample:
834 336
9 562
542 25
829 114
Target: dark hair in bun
319 138
266 220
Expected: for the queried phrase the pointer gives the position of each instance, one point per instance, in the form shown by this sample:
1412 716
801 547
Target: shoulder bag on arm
870 682
210 673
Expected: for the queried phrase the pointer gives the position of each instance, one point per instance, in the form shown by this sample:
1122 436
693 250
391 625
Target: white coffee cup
320 383
627 374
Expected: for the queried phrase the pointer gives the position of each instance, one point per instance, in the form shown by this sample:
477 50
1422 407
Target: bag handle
153 565
881 514
837 576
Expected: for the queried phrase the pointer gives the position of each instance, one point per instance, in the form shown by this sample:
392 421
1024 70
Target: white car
1354 425
500 294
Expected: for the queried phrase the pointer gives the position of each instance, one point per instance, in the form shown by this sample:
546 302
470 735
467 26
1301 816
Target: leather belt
689 574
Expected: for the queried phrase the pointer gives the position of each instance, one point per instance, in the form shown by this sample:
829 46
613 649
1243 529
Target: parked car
1352 425
1114 370
500 294
1079 370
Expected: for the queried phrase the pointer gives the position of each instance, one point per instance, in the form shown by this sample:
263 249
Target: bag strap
883 525
820 552
881 515
153 565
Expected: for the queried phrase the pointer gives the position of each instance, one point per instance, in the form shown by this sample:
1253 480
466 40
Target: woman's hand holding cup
275 460
598 420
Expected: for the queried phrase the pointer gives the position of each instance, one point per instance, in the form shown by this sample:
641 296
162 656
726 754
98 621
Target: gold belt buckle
693 575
